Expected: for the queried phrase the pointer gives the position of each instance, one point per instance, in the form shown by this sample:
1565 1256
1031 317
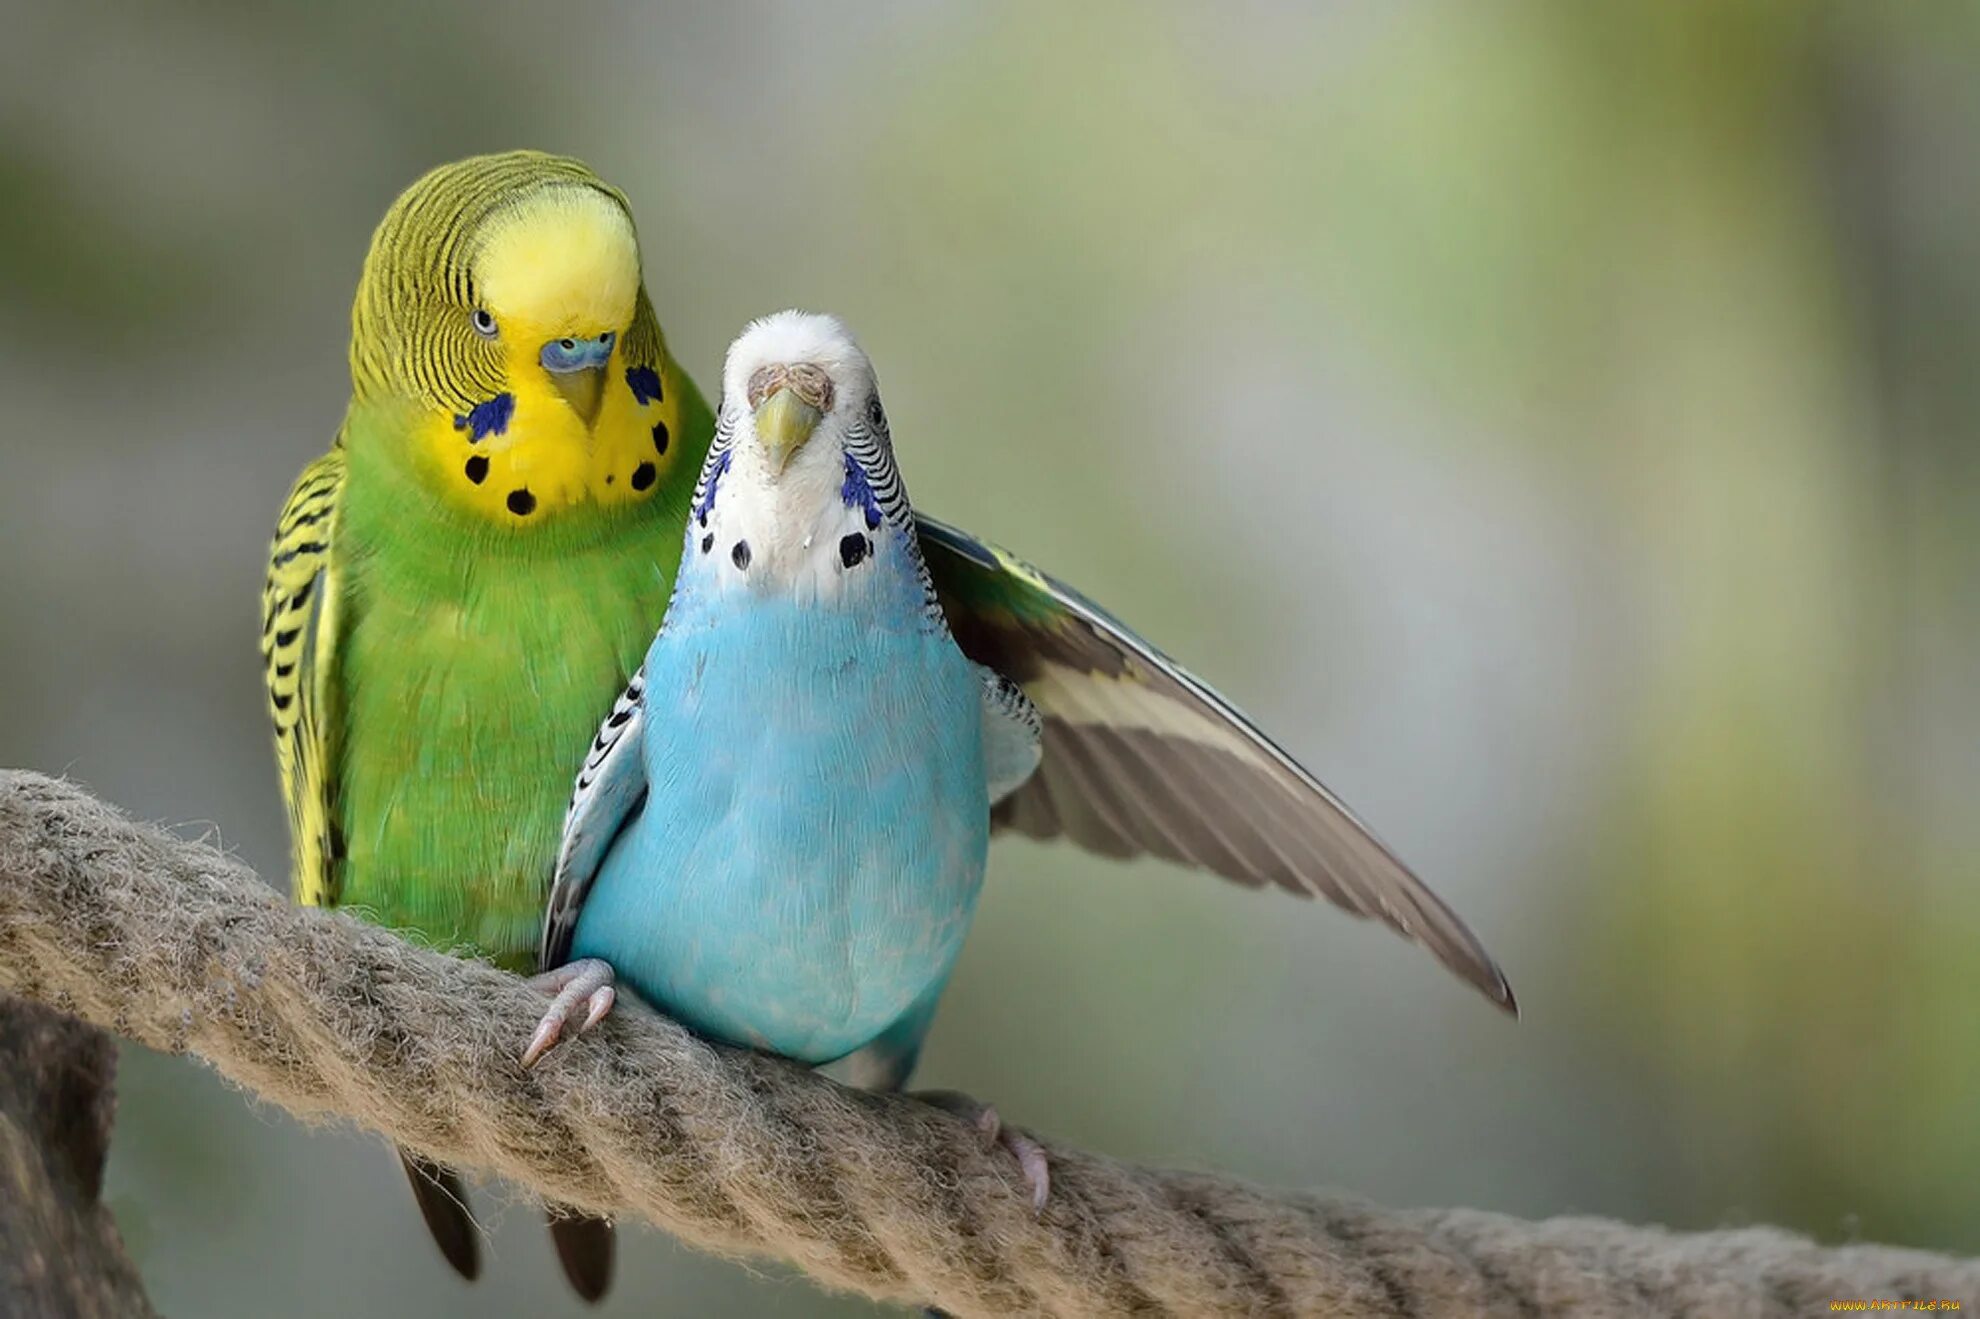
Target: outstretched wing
1141 757
299 619
610 787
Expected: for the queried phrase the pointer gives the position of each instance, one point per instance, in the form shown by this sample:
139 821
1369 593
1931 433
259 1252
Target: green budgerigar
461 584
460 587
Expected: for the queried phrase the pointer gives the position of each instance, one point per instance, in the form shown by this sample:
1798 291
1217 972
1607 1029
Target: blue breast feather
813 840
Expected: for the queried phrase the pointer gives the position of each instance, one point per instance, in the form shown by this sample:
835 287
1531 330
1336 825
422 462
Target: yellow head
502 297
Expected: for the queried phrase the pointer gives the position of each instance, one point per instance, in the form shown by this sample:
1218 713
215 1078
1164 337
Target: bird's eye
484 323
875 413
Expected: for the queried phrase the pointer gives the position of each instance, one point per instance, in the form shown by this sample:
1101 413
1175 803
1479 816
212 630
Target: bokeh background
1557 422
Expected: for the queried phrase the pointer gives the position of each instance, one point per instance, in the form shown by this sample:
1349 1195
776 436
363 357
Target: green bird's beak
577 369
783 423
584 391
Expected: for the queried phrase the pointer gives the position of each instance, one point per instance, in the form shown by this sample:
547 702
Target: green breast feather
475 663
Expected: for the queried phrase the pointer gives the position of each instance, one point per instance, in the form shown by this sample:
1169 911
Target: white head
800 491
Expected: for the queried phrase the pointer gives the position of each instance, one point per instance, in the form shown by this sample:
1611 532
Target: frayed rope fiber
174 945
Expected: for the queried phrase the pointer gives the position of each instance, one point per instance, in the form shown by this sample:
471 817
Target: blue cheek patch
857 492
645 384
485 419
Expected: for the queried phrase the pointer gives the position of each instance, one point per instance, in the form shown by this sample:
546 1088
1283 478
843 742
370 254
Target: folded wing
299 629
609 789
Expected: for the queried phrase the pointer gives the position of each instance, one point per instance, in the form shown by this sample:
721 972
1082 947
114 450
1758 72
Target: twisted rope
179 947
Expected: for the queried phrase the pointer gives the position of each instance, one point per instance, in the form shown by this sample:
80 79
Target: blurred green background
1555 421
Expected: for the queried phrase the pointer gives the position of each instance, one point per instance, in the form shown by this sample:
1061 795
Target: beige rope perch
176 946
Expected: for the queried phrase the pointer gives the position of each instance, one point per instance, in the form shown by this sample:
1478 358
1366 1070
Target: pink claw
587 981
1030 1155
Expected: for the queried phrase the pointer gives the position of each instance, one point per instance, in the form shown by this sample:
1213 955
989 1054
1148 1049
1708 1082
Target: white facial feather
793 523
799 336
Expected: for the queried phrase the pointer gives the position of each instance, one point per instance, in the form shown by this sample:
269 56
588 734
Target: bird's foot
587 981
1030 1155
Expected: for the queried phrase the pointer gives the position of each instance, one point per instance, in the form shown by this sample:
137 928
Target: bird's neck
391 491
812 534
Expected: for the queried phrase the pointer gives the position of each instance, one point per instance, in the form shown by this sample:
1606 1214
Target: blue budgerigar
817 758
779 833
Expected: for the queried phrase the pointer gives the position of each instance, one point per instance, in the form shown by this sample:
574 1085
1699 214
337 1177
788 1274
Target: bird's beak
783 423
577 369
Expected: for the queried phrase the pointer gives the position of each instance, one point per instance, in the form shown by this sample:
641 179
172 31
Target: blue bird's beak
783 423
788 400
577 369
